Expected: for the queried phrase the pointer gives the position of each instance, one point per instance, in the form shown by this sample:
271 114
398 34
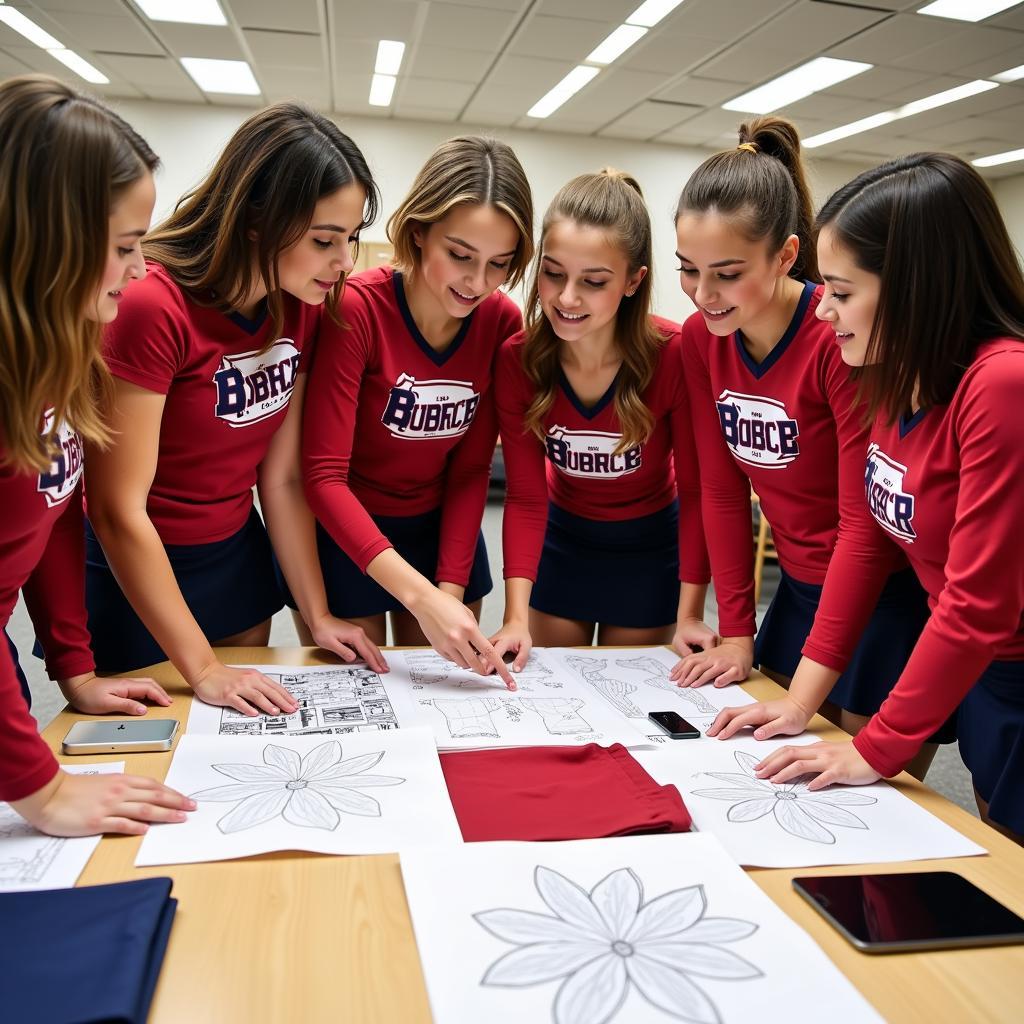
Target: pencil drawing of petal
254 810
671 991
350 801
569 902
718 929
251 772
668 915
740 781
320 759
365 781
747 763
284 759
735 795
841 796
751 810
352 766
310 810
618 897
542 962
237 791
593 994
829 815
523 927
699 958
797 822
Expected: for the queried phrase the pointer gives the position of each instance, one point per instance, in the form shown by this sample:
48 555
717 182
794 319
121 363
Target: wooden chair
764 546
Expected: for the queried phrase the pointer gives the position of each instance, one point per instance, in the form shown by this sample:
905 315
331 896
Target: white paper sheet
31 860
641 930
552 706
635 682
763 825
361 793
333 700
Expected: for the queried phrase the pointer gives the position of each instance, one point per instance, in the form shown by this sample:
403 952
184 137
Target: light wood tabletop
309 938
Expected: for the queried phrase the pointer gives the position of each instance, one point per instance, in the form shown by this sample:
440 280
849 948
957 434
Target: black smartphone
916 910
675 725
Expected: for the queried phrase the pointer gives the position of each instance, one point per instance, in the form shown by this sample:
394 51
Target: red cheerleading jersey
584 475
228 385
393 428
946 487
42 550
790 427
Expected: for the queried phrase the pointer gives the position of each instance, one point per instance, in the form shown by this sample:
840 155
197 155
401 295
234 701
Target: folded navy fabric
82 956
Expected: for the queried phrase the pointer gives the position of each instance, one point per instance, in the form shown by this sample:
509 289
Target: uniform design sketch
799 812
427 668
308 792
469 716
32 867
560 715
658 678
614 691
335 701
609 940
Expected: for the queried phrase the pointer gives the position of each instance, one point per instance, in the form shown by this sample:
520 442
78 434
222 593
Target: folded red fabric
549 793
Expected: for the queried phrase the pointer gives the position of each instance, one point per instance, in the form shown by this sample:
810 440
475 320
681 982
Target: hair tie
749 146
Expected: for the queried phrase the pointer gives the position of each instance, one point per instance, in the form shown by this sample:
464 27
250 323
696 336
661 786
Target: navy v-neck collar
907 423
594 410
253 326
437 358
759 369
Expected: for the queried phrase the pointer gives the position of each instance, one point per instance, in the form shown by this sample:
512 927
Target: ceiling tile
381 19
293 16
881 83
559 38
466 28
703 91
670 52
899 35
151 71
103 32
286 49
647 119
212 41
729 20
432 92
596 10
11 65
110 8
610 94
450 64
961 49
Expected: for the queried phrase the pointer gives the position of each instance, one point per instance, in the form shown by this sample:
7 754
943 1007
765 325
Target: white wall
1009 194
189 137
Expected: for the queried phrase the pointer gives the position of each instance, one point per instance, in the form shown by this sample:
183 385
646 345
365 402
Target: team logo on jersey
591 453
59 483
887 497
421 410
254 385
758 430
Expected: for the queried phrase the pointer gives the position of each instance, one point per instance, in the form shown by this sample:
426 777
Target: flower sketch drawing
801 813
309 791
604 942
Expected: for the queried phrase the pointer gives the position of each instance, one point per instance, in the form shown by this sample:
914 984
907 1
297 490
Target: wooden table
306 938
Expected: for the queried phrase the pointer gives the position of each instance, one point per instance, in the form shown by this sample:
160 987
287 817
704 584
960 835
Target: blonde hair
64 162
612 201
466 169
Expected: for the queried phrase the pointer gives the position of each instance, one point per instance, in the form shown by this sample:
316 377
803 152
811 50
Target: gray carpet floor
947 775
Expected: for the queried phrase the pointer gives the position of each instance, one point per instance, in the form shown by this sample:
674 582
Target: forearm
292 531
404 583
140 564
691 601
517 599
812 682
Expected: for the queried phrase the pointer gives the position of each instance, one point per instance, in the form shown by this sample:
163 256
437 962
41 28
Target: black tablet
918 910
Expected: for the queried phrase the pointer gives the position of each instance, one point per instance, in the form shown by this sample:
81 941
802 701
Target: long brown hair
612 201
65 160
259 199
929 227
761 185
466 169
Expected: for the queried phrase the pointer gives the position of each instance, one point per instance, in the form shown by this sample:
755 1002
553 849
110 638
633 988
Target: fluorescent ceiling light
967 10
961 92
80 66
650 13
381 88
389 57
566 89
616 44
29 29
1010 75
192 12
228 76
812 77
999 158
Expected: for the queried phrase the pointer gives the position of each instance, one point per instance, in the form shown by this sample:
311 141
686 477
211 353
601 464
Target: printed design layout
615 691
658 678
608 940
798 811
428 668
331 702
308 792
